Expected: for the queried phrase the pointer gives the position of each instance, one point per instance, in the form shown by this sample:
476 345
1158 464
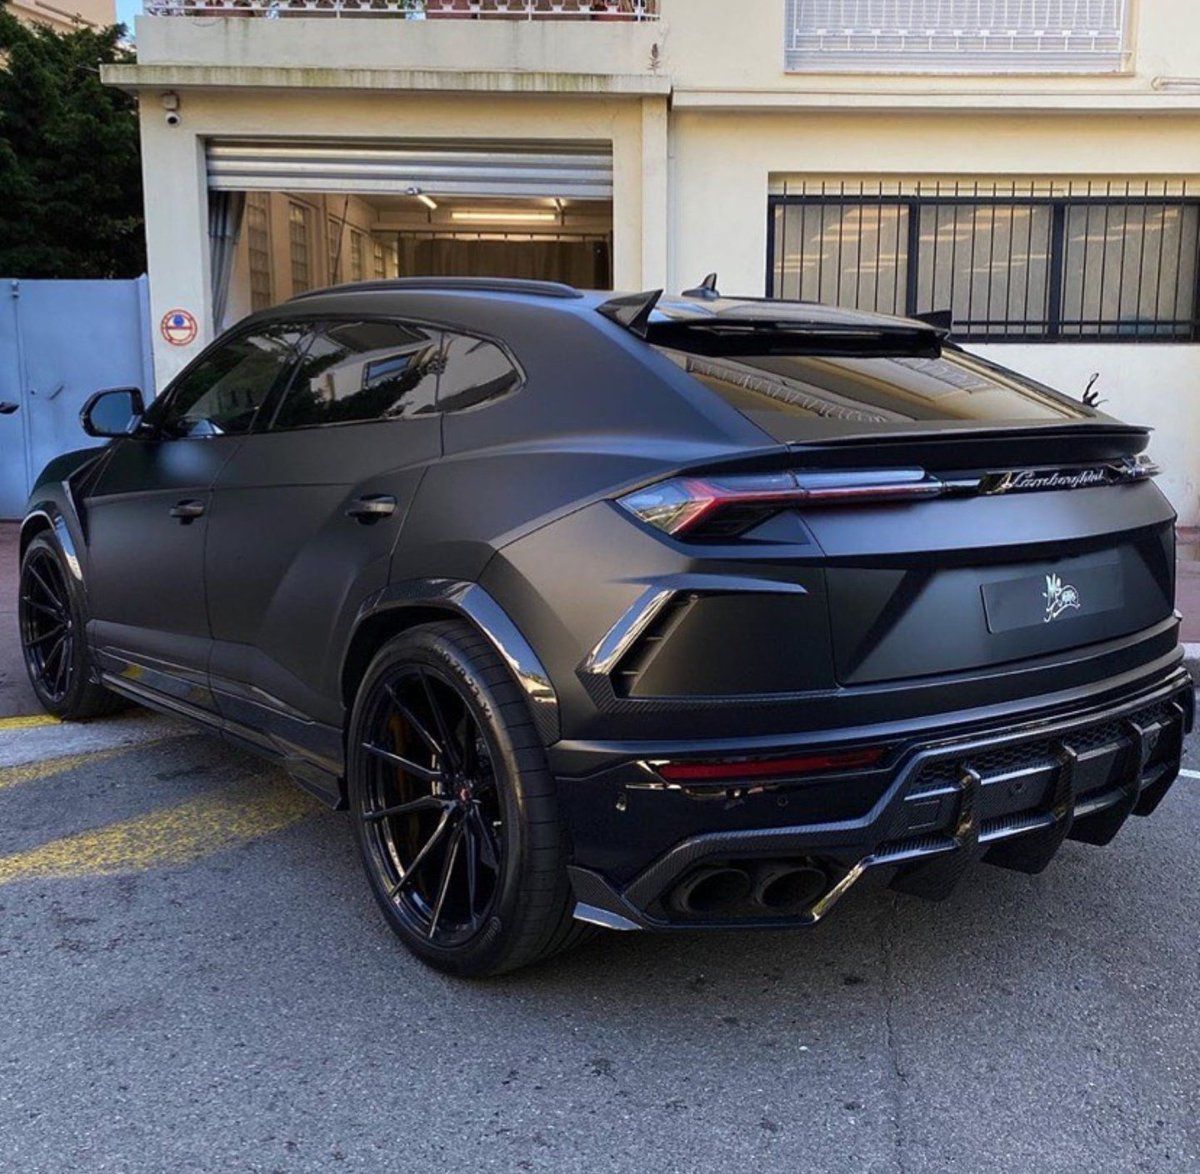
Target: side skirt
323 784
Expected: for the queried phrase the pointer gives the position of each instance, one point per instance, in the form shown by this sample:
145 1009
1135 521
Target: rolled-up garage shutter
497 168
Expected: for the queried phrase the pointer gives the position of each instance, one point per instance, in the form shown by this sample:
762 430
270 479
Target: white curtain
225 212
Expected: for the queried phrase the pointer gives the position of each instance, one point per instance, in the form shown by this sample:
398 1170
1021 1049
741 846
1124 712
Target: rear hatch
1037 529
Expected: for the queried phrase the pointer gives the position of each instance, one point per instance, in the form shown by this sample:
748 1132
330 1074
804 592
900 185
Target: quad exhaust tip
790 889
777 888
712 890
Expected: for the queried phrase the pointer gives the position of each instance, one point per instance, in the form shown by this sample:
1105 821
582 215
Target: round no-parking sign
178 327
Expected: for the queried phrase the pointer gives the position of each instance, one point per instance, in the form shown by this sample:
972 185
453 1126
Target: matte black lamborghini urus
629 612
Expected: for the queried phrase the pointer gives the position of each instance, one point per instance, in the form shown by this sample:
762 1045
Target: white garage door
497 168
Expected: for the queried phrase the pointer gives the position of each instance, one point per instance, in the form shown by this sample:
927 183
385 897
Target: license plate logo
1060 598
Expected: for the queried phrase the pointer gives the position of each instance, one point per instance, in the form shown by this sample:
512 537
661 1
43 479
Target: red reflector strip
684 772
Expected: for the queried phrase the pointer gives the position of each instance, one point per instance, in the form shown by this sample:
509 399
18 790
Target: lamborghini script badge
1060 597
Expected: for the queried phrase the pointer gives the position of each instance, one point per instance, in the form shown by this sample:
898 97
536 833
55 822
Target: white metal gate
59 342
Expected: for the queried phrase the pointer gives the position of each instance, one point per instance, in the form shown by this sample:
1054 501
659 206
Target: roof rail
513 285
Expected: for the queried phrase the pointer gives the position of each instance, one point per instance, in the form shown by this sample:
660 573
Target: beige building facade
65 15
1036 171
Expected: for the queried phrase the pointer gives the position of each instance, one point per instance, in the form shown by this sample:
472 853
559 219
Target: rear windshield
795 394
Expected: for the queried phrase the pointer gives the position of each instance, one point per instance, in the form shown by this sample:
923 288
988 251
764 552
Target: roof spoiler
717 335
632 311
941 320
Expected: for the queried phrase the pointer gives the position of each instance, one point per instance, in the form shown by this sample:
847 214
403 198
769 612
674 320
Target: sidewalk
16 697
1187 588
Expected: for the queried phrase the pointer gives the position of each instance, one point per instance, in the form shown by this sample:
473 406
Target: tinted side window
356 371
221 393
474 372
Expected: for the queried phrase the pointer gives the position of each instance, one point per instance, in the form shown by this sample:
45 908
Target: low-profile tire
52 622
454 806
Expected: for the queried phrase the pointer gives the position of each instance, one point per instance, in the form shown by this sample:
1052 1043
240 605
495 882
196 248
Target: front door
304 519
146 517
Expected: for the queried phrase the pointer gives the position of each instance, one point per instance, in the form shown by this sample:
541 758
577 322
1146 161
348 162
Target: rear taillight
746 770
724 507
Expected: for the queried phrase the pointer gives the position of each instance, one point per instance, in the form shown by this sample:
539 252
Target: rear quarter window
474 372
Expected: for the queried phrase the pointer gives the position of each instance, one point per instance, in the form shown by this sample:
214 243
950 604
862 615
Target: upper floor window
357 256
954 36
258 243
1098 260
300 246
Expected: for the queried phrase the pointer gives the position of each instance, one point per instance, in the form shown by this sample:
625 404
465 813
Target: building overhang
244 77
958 100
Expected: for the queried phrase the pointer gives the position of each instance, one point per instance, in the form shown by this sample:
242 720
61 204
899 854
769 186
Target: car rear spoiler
771 333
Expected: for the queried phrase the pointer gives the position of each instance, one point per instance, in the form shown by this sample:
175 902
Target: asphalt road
193 976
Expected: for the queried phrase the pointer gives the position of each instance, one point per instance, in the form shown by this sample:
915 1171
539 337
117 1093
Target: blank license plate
1056 595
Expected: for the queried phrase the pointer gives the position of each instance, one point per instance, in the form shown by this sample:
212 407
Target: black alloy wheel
51 620
433 819
454 807
47 625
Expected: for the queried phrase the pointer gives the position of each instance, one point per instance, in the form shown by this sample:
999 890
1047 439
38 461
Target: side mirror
115 412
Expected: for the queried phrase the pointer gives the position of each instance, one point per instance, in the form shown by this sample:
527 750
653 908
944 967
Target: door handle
372 508
186 512
7 407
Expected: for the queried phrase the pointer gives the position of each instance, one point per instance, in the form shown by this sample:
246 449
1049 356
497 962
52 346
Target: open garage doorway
287 217
291 242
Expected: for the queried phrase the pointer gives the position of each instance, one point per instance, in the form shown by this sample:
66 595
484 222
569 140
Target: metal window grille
300 246
964 36
258 244
379 260
358 268
1103 261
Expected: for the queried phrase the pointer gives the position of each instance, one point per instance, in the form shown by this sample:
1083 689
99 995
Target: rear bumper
1008 793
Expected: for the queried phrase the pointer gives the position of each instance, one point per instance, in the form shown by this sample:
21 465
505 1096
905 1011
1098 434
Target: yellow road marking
170 837
30 772
28 721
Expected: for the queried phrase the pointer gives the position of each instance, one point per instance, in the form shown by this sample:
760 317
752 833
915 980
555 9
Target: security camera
170 103
173 118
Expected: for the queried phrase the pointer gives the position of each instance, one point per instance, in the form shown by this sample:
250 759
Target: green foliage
70 173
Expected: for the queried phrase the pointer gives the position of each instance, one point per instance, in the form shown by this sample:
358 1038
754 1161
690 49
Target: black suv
624 611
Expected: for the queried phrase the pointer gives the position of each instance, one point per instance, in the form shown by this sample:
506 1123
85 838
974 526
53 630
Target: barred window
1092 261
377 257
258 244
300 246
957 36
358 268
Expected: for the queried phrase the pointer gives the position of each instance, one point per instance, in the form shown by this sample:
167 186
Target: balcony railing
603 10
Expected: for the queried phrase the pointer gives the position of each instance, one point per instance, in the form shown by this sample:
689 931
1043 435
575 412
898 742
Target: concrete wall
390 42
1154 385
713 45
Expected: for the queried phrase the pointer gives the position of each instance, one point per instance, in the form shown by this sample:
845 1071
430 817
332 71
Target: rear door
304 519
146 515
